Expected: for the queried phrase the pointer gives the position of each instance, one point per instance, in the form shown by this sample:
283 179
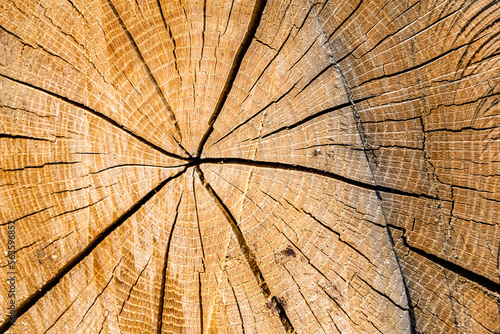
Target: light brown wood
249 166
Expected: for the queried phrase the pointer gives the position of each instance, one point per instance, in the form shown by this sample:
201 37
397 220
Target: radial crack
169 31
26 216
309 118
255 115
42 165
382 293
102 291
237 306
337 303
339 236
305 300
198 220
133 285
51 283
164 272
344 21
97 114
151 77
310 170
422 64
60 316
134 165
249 256
480 280
200 301
240 54
10 136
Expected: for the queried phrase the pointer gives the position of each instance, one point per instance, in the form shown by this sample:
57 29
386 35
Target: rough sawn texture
175 166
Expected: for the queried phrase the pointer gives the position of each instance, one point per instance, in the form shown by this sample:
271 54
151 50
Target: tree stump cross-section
267 166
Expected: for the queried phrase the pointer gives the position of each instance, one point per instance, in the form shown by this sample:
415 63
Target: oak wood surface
212 166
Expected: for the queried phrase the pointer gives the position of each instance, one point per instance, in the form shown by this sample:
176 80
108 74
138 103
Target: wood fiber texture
279 166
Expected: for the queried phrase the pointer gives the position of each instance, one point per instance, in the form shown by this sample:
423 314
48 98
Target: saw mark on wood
371 158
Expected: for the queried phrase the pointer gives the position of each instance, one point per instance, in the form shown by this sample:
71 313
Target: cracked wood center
260 166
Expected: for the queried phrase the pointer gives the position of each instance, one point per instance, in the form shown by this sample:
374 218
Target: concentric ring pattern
250 166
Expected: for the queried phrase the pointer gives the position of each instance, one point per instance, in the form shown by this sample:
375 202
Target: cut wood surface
268 166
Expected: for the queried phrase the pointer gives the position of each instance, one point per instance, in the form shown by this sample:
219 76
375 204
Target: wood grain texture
213 166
